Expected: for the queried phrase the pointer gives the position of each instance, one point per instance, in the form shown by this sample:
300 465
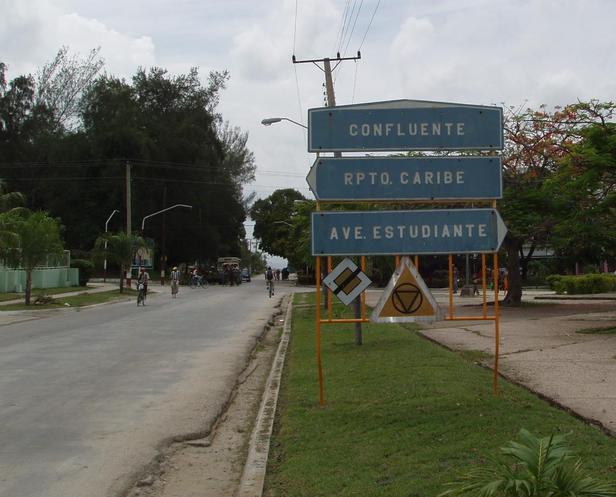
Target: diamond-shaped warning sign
406 298
347 281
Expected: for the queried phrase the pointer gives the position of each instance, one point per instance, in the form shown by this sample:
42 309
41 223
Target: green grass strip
74 301
403 416
608 330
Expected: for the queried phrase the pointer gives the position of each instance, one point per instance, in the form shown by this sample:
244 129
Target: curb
253 476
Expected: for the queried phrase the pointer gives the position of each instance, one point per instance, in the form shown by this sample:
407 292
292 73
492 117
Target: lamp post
105 260
162 274
271 120
283 222
160 212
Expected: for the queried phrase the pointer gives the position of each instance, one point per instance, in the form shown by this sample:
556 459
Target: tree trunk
524 260
28 285
514 294
122 278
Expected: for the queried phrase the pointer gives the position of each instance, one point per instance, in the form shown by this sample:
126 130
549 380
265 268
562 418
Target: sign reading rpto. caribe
405 125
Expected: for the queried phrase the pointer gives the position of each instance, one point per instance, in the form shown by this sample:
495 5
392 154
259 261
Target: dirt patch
212 466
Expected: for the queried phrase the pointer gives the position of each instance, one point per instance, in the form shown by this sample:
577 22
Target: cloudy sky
512 52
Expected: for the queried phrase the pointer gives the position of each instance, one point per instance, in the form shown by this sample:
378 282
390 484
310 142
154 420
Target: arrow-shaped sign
439 231
405 178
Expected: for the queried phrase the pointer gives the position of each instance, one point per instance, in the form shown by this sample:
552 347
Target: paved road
87 396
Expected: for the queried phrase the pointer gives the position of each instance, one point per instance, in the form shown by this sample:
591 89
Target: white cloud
33 32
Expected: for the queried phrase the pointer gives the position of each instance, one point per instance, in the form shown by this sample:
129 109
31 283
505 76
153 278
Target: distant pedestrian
456 277
175 282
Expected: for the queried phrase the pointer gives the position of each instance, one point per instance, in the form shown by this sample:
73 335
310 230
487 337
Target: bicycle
270 288
141 294
198 282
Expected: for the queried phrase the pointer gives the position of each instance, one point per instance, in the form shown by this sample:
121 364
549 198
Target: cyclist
269 278
143 280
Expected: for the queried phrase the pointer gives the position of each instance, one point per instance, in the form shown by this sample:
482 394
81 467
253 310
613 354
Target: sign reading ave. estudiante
439 231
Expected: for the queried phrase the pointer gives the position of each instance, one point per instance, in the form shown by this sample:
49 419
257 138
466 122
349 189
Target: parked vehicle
246 275
229 270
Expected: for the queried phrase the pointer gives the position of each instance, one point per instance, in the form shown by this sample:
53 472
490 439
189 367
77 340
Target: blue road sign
405 178
404 125
438 231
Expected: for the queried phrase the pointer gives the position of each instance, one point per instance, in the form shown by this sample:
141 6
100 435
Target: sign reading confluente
404 125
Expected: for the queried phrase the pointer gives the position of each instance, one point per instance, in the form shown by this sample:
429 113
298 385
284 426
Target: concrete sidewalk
540 347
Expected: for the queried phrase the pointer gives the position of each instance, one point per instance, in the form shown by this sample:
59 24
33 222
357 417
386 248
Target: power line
347 20
369 24
353 28
338 41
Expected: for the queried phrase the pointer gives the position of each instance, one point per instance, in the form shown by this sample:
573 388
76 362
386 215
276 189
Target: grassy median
82 300
403 416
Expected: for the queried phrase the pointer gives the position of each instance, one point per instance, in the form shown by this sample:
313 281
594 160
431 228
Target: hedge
583 284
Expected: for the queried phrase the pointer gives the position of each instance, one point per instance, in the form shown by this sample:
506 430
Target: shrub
86 269
532 467
584 284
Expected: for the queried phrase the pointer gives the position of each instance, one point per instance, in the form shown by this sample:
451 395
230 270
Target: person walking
175 282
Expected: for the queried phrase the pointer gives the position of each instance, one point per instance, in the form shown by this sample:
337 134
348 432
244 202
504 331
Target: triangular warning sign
406 298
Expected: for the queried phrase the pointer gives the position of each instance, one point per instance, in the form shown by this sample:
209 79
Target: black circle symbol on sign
406 298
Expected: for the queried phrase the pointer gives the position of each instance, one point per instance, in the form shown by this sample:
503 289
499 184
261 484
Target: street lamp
105 260
162 272
161 211
271 120
283 222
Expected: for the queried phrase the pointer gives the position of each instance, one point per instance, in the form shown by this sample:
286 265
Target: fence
55 272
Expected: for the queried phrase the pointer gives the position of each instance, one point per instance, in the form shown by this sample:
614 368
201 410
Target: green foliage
584 195
282 223
582 284
533 467
66 139
402 415
119 248
37 236
86 270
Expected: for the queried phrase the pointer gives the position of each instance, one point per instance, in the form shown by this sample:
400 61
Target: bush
86 270
584 284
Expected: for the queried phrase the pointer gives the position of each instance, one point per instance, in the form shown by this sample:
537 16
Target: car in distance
246 274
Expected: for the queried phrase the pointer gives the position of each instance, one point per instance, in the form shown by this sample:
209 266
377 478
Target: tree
61 83
8 200
37 236
272 217
119 248
535 144
584 192
65 140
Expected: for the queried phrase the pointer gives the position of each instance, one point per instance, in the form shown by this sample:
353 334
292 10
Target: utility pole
331 102
128 220
163 251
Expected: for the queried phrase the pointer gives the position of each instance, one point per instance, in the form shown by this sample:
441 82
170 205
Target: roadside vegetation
403 416
73 301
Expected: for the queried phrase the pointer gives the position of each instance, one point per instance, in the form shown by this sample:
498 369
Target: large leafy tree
584 192
536 142
37 238
274 225
166 127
